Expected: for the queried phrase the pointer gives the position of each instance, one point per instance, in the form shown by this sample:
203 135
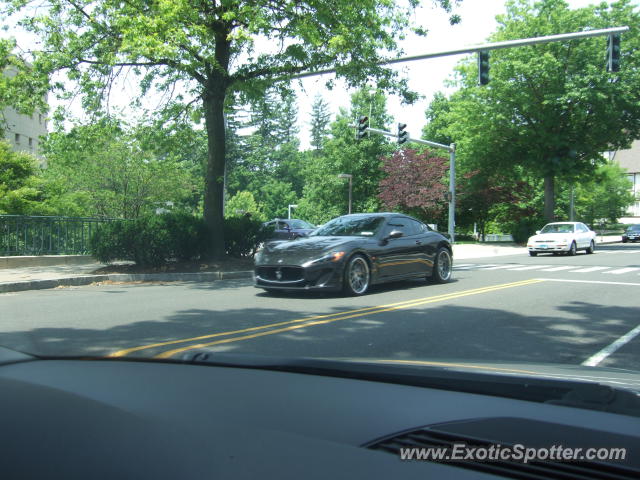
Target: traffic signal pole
452 173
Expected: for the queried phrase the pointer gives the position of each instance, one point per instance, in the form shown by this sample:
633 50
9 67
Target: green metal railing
30 235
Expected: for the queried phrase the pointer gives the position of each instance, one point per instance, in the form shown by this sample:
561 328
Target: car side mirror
395 234
537 232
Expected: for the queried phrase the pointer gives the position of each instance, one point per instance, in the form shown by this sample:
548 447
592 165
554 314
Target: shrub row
158 239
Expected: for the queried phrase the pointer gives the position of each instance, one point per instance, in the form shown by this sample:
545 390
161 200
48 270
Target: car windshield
300 224
351 227
558 228
256 178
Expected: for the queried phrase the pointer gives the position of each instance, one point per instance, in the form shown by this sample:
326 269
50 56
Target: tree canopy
549 109
205 54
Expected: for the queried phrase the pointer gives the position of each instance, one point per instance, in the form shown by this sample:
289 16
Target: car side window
400 223
417 227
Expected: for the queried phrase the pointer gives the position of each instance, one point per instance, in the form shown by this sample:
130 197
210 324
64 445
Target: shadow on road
438 332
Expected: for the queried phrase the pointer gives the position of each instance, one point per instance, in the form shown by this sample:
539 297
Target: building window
40 118
30 142
17 139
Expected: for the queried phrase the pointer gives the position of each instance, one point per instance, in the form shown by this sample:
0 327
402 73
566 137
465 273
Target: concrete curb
123 277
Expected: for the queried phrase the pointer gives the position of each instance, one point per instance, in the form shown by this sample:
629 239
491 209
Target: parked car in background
631 234
352 252
288 229
562 237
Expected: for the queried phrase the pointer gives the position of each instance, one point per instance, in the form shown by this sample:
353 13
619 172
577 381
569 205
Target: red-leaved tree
415 183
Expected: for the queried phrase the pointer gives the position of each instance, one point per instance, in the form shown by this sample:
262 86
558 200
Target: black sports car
353 252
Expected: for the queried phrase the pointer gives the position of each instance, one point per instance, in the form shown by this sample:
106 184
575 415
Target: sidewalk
52 276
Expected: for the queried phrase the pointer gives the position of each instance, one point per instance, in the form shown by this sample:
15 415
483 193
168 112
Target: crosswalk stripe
620 271
527 267
557 269
500 267
588 269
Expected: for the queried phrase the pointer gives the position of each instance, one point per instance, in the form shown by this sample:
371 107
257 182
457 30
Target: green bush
151 240
243 236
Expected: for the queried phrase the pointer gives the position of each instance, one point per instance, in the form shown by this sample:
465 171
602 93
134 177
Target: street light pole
350 177
290 207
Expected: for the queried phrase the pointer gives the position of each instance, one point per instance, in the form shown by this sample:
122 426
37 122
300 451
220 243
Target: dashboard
68 419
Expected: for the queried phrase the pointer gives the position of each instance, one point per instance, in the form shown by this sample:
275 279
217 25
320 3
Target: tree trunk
549 198
213 103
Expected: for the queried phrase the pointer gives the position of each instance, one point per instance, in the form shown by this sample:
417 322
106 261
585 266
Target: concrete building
630 161
24 132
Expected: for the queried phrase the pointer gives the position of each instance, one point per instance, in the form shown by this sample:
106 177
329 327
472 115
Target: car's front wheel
357 276
442 266
592 247
533 254
572 249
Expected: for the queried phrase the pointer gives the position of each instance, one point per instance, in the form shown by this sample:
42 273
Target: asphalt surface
512 308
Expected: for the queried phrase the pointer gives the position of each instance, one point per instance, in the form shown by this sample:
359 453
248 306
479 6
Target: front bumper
631 237
548 247
325 276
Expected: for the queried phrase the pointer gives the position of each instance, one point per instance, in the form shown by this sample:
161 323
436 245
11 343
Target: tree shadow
436 333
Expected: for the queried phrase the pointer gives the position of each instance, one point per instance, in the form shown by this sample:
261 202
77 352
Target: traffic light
613 53
403 135
363 124
483 68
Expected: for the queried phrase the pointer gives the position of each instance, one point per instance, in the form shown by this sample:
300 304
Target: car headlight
329 257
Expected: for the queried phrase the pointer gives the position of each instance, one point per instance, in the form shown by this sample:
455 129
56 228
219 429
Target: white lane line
588 269
620 271
595 359
499 267
557 269
464 266
527 267
568 280
485 266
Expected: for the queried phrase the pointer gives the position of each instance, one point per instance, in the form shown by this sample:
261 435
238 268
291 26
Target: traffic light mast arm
409 139
486 46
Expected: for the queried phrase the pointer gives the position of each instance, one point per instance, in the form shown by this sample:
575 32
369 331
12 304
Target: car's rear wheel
357 276
572 249
442 267
624 240
533 254
592 247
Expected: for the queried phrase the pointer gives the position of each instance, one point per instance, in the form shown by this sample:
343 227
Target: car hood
549 237
301 249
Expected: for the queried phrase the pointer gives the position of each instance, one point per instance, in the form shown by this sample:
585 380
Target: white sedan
566 237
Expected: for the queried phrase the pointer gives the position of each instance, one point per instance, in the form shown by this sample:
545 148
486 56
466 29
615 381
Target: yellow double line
311 321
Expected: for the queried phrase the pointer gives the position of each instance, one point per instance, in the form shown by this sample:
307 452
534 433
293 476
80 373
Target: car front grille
281 274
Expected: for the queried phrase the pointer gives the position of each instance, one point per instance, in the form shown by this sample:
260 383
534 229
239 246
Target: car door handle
418 242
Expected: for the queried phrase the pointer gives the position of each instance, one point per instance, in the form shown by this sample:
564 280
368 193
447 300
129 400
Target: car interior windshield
350 227
558 228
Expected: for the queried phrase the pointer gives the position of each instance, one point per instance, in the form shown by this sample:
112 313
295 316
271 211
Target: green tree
320 119
549 109
241 204
210 50
606 196
21 188
325 195
102 169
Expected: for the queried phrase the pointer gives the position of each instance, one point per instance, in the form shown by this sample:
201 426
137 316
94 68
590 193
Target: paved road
510 308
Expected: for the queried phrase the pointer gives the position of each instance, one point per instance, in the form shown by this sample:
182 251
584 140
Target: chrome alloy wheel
358 275
444 265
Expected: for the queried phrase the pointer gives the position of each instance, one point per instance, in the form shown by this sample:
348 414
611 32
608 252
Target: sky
425 77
